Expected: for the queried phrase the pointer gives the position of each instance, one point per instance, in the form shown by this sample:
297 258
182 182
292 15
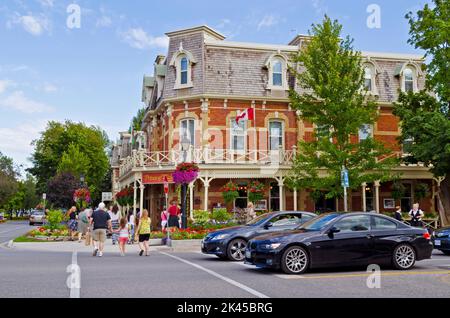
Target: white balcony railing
143 159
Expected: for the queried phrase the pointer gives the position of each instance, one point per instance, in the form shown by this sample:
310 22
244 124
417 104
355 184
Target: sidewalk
177 246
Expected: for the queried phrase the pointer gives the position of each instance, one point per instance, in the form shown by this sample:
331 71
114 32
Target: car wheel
236 250
295 260
404 257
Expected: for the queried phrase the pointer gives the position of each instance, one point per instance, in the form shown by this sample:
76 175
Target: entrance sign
156 178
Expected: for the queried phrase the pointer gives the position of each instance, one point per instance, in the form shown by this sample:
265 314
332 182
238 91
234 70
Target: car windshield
319 222
259 220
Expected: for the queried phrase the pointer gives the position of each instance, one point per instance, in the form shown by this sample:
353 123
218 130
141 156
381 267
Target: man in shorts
100 221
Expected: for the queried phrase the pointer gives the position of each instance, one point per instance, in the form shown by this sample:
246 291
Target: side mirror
268 225
333 230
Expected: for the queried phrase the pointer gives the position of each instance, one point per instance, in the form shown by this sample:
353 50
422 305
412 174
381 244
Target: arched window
368 78
184 66
276 135
277 73
187 130
408 79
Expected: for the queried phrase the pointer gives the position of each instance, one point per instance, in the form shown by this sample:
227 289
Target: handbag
87 240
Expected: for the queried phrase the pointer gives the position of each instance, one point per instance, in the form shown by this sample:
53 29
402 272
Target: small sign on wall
389 203
106 196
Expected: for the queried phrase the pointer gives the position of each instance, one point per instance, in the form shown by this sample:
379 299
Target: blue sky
94 74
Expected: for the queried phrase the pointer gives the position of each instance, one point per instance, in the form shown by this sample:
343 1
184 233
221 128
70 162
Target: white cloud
103 22
4 84
268 21
47 3
16 141
35 25
49 88
139 39
18 101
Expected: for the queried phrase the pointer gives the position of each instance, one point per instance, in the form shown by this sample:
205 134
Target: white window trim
284 67
374 73
194 144
414 76
238 151
176 63
283 132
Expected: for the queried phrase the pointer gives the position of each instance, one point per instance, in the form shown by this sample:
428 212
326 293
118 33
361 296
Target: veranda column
280 185
363 189
377 196
295 199
134 197
141 198
191 199
206 185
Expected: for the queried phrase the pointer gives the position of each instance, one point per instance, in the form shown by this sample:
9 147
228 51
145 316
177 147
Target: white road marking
73 282
226 279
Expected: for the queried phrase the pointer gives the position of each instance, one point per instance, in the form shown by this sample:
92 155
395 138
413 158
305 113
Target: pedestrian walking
174 213
250 211
122 232
398 214
131 227
114 215
83 224
416 215
101 221
72 224
143 230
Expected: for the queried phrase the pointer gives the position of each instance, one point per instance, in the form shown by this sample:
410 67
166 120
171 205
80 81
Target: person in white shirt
416 215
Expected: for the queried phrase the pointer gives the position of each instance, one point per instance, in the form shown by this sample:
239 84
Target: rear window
380 223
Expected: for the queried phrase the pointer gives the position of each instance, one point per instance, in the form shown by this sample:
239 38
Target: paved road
26 273
12 229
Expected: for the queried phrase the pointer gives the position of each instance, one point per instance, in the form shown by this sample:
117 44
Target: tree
61 188
136 122
8 179
25 196
67 144
426 118
333 99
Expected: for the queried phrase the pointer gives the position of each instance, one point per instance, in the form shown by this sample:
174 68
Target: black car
341 239
231 242
441 240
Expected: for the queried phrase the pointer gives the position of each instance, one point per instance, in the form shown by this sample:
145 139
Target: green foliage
8 179
421 191
229 192
60 190
398 190
255 191
54 219
201 217
136 122
221 215
332 76
430 31
72 147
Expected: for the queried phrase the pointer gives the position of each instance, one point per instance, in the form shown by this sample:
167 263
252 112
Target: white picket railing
142 159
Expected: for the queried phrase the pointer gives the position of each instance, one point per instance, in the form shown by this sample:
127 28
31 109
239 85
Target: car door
384 233
352 245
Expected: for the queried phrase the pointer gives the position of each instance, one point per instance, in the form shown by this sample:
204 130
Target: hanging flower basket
185 173
82 197
256 191
230 192
125 196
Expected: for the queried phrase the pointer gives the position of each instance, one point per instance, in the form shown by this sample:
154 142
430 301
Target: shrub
421 191
54 219
229 192
201 217
221 215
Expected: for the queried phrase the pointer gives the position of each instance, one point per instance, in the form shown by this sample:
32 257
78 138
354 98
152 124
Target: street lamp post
185 145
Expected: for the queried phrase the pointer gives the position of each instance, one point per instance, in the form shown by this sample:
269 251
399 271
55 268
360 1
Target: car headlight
219 237
271 246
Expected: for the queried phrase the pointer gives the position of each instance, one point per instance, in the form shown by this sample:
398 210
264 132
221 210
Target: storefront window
242 200
274 197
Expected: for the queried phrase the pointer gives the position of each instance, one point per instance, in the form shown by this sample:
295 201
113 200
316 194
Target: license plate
437 242
248 254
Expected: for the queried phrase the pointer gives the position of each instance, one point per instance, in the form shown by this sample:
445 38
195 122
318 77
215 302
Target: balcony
144 160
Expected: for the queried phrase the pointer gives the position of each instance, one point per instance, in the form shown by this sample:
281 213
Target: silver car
37 216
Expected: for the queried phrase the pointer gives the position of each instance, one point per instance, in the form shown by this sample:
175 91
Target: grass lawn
24 239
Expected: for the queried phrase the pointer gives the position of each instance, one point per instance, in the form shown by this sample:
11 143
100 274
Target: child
143 230
131 226
123 235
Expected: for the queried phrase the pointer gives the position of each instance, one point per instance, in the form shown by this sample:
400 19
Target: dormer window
370 73
276 64
184 71
183 62
408 80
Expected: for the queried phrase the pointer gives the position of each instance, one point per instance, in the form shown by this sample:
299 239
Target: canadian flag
248 114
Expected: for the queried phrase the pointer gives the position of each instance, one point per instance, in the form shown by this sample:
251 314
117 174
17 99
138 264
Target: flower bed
47 234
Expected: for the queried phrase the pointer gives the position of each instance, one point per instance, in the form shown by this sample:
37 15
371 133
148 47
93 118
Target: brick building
197 91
